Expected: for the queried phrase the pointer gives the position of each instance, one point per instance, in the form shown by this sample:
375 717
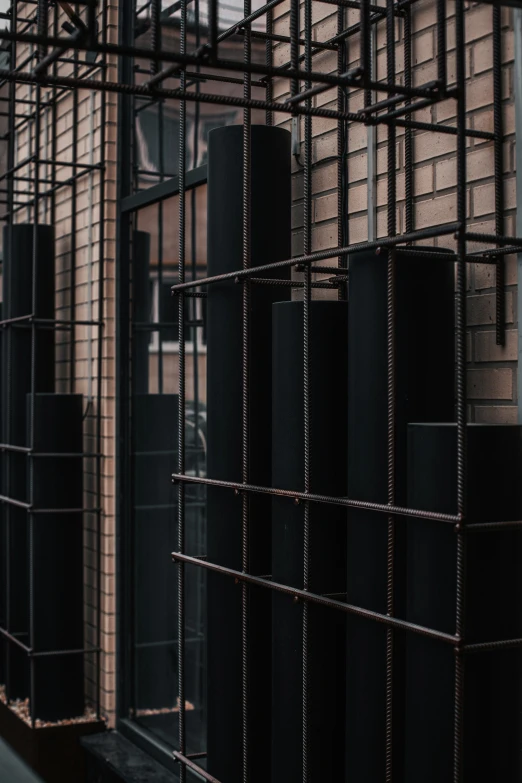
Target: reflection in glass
156 142
155 362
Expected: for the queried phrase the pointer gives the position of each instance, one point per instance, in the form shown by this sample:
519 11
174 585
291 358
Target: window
165 311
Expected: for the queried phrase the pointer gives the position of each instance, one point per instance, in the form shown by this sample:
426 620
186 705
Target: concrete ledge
111 758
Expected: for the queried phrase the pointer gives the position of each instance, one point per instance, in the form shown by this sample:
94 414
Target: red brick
481 309
486 349
432 145
496 414
483 200
478 23
490 384
436 211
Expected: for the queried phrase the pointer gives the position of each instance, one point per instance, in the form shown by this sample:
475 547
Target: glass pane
155 458
156 123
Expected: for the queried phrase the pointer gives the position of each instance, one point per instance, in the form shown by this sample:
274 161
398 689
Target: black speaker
424 379
16 384
270 241
328 345
57 555
491 588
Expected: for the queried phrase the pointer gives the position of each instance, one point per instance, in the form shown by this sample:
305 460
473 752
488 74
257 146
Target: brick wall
491 376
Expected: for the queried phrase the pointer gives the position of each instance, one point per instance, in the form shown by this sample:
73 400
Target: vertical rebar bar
441 44
409 172
181 401
461 384
500 296
392 230
30 444
366 47
269 60
74 223
99 389
245 420
155 33
307 295
42 13
342 164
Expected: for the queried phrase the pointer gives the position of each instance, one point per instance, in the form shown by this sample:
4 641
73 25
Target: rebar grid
46 178
392 103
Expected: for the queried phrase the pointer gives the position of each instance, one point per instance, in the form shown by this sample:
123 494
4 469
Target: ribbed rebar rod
307 295
313 598
390 306
321 255
498 145
181 406
461 389
245 380
314 498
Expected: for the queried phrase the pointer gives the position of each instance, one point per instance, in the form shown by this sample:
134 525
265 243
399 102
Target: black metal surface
155 439
17 379
423 389
57 569
226 357
328 388
491 705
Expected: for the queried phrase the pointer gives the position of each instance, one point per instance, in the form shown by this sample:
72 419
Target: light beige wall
491 374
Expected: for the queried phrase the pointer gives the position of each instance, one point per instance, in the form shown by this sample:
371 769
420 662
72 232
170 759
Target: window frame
172 346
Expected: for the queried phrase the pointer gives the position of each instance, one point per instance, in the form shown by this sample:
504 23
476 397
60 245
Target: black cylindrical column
16 384
328 345
57 555
424 380
270 241
491 584
141 311
155 447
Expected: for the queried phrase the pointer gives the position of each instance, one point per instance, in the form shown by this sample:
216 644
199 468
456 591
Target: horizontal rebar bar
313 498
426 233
196 769
309 597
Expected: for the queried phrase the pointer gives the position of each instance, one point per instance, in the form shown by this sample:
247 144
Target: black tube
492 697
424 390
270 239
16 384
155 439
58 556
328 345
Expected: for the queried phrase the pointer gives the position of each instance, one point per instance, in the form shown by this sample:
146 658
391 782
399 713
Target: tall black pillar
155 447
141 311
270 241
57 555
16 384
328 348
424 338
492 696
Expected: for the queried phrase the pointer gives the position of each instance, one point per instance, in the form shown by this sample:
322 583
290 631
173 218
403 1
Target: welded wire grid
186 63
35 187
